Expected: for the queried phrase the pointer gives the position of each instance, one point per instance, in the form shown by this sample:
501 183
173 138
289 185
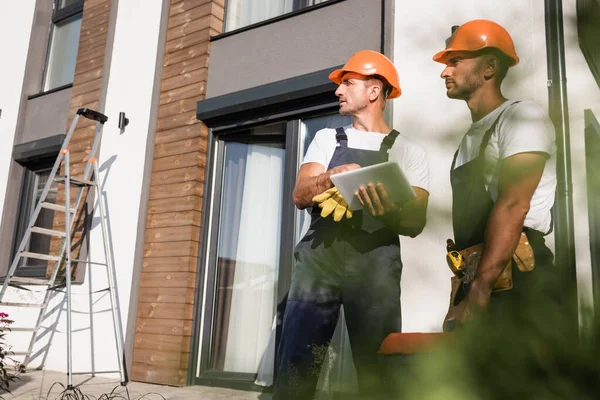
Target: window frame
592 161
202 373
33 157
27 198
58 15
199 371
64 13
587 32
296 11
288 101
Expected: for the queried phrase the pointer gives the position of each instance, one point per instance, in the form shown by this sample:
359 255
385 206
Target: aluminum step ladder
63 257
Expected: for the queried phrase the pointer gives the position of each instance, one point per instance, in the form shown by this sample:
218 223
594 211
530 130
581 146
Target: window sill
57 89
274 19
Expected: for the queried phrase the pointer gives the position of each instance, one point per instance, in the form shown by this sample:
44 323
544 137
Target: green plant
9 368
538 352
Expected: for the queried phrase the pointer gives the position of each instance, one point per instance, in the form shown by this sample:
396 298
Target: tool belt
464 264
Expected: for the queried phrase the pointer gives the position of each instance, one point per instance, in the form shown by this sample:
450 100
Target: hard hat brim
443 56
336 77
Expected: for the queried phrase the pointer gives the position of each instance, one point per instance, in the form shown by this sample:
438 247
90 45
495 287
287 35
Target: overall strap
485 140
340 137
388 141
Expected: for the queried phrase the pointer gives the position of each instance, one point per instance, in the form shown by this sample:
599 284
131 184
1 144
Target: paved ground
36 385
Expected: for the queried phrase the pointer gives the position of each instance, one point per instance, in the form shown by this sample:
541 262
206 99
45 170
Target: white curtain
256 259
246 12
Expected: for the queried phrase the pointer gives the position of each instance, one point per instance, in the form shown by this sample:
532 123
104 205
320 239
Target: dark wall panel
313 41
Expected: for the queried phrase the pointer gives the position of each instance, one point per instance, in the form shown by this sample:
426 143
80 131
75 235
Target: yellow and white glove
331 201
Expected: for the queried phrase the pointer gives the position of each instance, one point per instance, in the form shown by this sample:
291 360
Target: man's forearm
310 186
501 239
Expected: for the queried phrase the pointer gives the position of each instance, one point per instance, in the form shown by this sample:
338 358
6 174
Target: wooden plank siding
172 237
86 92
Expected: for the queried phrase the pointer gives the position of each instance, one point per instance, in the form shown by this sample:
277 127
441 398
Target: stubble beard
465 90
349 111
345 112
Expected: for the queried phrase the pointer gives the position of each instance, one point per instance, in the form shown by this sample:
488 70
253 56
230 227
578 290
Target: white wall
427 115
16 19
122 160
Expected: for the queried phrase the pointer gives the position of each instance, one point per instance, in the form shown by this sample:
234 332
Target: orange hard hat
477 35
369 63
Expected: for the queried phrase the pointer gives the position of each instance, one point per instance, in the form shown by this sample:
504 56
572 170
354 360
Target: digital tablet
388 173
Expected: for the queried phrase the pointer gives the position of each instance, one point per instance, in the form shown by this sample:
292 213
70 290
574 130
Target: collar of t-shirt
486 122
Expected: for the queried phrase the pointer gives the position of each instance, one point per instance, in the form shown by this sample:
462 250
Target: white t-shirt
524 127
410 155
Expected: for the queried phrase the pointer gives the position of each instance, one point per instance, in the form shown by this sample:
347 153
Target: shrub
9 368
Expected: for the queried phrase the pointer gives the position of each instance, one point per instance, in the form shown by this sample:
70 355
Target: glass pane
240 13
247 255
63 53
308 130
39 243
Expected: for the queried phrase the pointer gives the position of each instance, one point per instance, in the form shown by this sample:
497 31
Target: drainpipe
559 113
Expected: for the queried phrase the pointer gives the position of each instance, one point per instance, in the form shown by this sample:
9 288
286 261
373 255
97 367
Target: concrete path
36 385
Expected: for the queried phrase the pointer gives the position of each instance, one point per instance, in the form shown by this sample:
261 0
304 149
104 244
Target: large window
33 186
240 13
248 246
64 43
252 229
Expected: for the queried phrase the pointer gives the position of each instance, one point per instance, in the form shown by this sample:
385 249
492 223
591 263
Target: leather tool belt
465 273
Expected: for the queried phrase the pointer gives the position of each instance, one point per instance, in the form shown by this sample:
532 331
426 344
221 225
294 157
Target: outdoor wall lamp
123 121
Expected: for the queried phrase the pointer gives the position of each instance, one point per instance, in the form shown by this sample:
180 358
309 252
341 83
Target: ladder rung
24 329
21 353
76 182
95 372
33 281
56 207
38 256
50 232
88 262
30 305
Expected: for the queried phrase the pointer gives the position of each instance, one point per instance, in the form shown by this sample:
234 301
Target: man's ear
374 92
491 66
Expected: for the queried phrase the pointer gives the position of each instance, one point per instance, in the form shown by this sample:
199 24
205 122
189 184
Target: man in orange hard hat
503 175
350 257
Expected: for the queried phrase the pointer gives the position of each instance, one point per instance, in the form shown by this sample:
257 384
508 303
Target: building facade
223 98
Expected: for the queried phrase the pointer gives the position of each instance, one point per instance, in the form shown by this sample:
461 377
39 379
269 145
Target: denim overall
471 208
355 262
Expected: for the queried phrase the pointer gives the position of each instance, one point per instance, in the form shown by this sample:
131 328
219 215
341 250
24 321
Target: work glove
331 201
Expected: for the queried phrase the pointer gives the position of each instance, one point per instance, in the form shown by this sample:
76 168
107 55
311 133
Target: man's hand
479 295
343 168
313 180
375 199
406 219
